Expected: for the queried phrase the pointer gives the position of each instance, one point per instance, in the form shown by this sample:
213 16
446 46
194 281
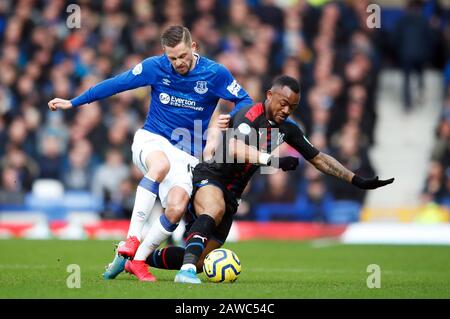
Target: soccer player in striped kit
256 132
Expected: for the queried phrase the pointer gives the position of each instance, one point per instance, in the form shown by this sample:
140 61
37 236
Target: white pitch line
18 266
297 270
326 242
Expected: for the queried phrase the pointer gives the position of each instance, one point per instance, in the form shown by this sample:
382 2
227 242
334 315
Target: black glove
370 183
287 163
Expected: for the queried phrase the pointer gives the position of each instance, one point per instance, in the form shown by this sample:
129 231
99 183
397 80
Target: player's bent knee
177 202
209 200
215 209
158 165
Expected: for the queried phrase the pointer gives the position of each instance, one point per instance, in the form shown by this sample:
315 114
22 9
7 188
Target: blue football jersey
181 105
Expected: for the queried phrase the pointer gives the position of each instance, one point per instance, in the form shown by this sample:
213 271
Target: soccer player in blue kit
185 87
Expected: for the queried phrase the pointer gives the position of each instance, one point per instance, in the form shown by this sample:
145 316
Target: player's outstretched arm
141 75
250 154
329 165
58 103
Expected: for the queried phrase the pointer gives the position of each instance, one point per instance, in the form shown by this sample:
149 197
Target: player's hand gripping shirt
181 105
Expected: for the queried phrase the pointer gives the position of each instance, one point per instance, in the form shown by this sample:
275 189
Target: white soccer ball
222 265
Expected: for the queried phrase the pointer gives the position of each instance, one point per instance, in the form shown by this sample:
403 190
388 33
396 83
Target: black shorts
204 175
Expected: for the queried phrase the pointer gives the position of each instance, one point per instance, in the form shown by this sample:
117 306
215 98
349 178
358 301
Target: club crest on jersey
201 87
245 129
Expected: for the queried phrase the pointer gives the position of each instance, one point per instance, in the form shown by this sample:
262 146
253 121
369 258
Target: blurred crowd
437 184
328 46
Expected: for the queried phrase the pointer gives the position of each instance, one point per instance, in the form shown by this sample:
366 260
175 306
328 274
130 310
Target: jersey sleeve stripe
255 111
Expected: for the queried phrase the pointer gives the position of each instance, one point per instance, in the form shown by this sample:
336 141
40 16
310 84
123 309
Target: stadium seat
49 189
48 197
446 202
82 201
53 208
302 209
297 210
343 212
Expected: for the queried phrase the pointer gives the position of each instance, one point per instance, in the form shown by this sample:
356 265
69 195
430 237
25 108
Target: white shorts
181 163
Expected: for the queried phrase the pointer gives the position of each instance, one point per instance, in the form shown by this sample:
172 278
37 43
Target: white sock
143 205
189 266
155 236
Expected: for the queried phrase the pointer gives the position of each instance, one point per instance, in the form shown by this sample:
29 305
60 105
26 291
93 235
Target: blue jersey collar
198 58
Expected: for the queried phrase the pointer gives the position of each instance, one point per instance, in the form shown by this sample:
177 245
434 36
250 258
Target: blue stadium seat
302 209
298 210
54 208
59 208
82 201
343 212
446 202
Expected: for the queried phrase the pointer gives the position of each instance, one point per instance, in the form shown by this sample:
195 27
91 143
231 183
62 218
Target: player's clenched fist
287 163
223 121
58 103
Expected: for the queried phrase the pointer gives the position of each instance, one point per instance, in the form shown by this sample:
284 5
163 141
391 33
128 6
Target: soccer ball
222 265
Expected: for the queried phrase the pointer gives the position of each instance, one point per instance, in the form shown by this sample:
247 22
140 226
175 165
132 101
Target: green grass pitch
270 269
